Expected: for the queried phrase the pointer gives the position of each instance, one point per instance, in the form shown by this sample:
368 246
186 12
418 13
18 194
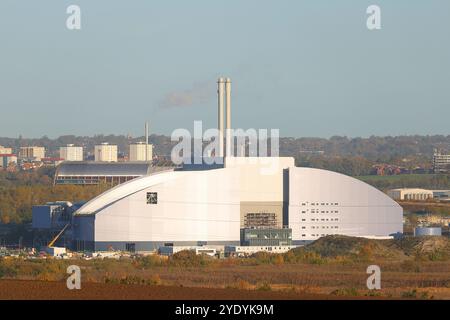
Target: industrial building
71 153
410 194
105 152
141 151
94 173
32 153
261 202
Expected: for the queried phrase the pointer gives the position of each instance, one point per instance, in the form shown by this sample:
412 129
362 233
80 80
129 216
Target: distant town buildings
105 152
441 162
71 153
4 150
32 153
138 152
7 159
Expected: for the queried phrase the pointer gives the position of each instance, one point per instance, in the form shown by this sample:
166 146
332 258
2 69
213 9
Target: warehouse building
410 194
94 173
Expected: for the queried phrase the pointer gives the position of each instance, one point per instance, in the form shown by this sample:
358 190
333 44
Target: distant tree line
16 202
378 149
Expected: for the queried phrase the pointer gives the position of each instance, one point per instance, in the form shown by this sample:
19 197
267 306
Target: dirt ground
47 290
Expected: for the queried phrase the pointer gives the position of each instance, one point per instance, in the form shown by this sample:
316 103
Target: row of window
321 203
318 235
323 219
322 211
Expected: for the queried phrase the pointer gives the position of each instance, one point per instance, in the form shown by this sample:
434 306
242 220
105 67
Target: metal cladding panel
322 202
261 178
83 228
86 168
191 206
42 217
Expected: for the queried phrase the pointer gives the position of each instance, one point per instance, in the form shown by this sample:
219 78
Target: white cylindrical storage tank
427 231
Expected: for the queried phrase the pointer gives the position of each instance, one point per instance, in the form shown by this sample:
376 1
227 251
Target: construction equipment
51 243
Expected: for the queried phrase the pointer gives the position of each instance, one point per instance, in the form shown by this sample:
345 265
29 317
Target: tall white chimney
220 91
228 125
146 141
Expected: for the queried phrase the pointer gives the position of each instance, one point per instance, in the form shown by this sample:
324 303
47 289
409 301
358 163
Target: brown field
50 290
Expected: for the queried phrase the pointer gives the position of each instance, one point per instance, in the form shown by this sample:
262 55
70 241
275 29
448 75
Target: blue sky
309 68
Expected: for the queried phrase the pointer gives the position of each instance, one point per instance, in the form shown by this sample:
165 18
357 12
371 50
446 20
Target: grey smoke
197 94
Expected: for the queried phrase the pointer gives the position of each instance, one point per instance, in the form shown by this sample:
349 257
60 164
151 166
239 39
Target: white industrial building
105 152
410 194
209 204
71 153
141 151
192 207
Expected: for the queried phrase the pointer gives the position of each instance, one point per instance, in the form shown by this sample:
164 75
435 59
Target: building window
152 197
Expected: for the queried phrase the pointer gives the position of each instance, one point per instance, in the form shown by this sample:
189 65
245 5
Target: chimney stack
220 91
228 125
146 141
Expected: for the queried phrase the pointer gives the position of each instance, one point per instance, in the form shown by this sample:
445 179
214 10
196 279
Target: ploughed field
50 290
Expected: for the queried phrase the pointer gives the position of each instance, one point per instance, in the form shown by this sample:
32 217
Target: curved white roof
125 189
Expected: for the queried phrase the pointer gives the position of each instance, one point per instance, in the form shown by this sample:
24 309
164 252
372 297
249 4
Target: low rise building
410 194
94 173
242 251
170 250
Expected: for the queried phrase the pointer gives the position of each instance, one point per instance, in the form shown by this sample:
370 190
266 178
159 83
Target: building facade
5 150
7 159
71 153
32 153
105 152
141 152
108 173
187 207
266 237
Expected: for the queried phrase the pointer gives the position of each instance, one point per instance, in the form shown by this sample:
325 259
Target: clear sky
309 68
